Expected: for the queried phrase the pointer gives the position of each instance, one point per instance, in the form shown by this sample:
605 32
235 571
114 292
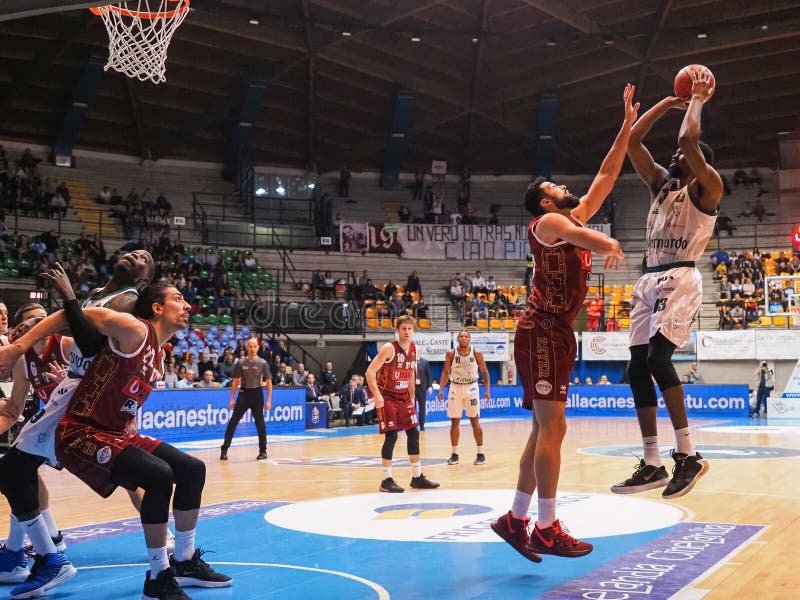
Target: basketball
683 82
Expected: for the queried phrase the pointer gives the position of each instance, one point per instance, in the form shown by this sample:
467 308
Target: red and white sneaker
515 532
556 540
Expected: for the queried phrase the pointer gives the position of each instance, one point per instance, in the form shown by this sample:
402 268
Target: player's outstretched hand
59 279
631 109
701 83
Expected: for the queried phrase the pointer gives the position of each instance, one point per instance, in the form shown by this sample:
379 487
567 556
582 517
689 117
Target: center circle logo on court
464 515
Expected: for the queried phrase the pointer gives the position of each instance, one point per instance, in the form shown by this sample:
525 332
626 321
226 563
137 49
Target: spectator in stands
250 261
457 293
283 351
587 381
226 367
720 256
352 398
491 284
737 317
720 271
396 306
437 209
747 211
283 377
389 290
419 184
58 206
313 391
754 178
264 351
724 223
328 379
300 375
759 211
404 213
275 366
478 283
204 364
466 282
576 380
207 381
105 195
328 286
170 376
603 380
162 206
724 288
185 382
739 177
420 309
456 218
344 182
191 364
748 287
413 284
694 375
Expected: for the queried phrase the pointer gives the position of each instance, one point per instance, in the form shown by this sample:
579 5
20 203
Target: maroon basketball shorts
545 351
89 453
396 414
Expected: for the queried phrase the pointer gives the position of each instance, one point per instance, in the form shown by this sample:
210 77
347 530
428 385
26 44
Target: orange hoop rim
97 10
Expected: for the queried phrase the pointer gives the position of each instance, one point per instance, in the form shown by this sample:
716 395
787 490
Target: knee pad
639 377
659 360
389 440
412 442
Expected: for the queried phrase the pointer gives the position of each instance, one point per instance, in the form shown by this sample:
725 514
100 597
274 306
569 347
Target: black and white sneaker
423 483
163 587
389 485
645 477
453 460
197 572
686 472
223 455
480 459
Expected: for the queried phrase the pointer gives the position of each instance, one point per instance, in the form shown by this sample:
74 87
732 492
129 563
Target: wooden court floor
753 490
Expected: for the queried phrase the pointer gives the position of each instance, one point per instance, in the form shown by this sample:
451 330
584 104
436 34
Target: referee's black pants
252 400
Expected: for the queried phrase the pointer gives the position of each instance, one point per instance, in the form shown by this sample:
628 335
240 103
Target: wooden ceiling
476 74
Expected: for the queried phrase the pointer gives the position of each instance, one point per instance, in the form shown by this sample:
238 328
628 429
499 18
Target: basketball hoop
139 33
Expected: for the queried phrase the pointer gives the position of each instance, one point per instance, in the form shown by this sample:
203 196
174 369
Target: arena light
347 33
702 35
475 40
416 38
254 22
261 191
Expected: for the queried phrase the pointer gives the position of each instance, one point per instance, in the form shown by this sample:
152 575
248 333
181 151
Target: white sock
683 439
547 512
416 469
522 502
480 449
16 535
184 544
387 472
47 515
651 454
158 560
39 536
455 449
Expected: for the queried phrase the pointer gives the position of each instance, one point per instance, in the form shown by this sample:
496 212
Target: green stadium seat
212 319
198 319
225 320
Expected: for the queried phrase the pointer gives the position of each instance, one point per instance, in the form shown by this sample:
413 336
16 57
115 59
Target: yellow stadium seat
483 324
628 291
616 290
415 296
509 323
523 289
371 313
495 324
606 290
765 321
386 323
625 323
492 296
372 323
593 290
615 298
424 323
779 321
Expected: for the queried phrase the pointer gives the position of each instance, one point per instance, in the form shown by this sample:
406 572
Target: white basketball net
137 44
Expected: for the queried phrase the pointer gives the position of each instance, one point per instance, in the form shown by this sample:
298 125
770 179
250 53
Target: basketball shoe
47 572
556 540
645 477
453 460
480 459
390 486
13 565
423 483
223 455
197 572
686 472
515 532
163 587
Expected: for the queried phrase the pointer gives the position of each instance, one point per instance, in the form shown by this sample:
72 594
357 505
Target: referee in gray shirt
253 372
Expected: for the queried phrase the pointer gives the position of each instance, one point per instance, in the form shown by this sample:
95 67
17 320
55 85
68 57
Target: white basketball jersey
677 229
38 435
78 363
464 369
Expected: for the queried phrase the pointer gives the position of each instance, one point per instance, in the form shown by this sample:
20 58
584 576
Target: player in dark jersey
93 440
544 345
391 376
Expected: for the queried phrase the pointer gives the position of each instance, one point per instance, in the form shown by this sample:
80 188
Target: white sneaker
170 541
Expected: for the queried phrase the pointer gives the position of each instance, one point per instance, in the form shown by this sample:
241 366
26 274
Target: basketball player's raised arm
448 362
612 164
51 324
385 354
709 181
646 168
554 226
126 330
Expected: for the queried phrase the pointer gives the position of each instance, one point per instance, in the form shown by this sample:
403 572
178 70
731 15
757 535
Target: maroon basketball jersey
36 367
560 273
395 376
116 385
